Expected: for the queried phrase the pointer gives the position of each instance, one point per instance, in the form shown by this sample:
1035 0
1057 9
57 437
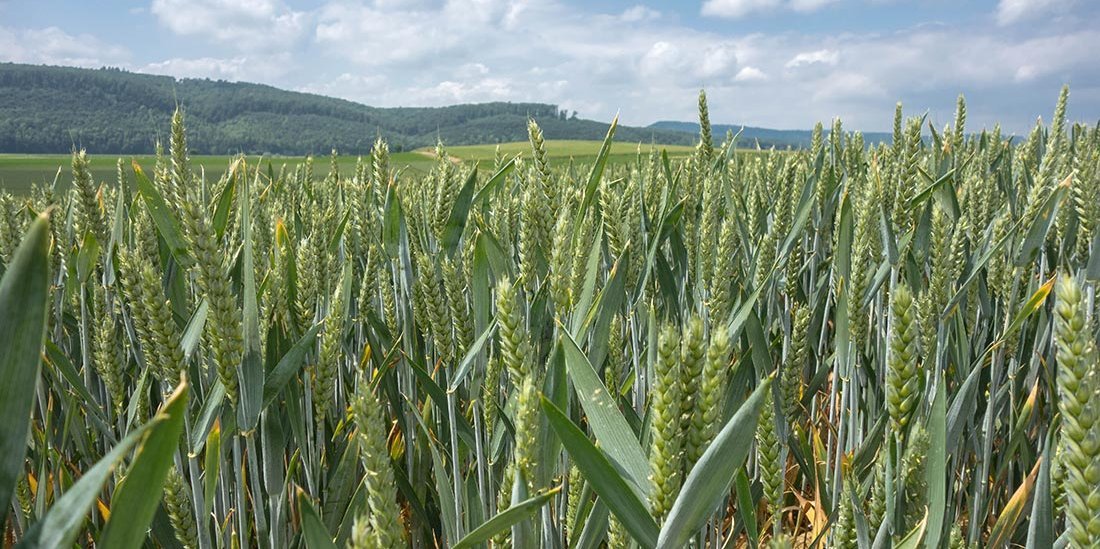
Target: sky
773 63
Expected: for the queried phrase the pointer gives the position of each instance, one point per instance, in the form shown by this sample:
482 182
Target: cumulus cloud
340 85
848 86
238 24
544 51
673 59
750 74
823 56
639 13
484 89
1012 11
740 8
53 46
238 68
809 5
375 34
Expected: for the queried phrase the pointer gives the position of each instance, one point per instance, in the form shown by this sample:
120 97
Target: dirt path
430 153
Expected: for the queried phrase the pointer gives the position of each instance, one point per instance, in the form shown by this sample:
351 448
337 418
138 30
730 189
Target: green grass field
581 151
18 172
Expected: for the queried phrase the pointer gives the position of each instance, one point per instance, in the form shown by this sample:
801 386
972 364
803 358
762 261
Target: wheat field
844 346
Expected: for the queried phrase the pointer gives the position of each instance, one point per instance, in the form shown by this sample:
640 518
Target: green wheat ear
960 123
617 536
561 262
224 322
912 472
384 517
542 165
437 311
328 365
616 364
1078 387
504 499
11 227
844 530
527 431
514 344
791 378
109 352
665 450
902 379
769 455
90 215
709 398
180 176
692 358
724 269
706 142
177 504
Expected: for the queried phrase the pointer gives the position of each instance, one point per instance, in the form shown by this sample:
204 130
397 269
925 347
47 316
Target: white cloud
537 51
809 5
733 9
640 13
485 89
373 35
823 56
689 62
750 74
1012 11
240 68
848 86
717 60
240 24
738 8
661 58
53 46
342 85
473 70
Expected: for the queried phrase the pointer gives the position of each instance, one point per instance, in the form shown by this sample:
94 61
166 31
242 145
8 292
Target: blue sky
775 63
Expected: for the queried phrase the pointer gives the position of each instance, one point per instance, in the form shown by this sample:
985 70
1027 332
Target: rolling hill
46 109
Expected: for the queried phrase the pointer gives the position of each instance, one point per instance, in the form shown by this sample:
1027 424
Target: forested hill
50 109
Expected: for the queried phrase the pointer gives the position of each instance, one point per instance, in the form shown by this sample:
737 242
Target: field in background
580 151
18 172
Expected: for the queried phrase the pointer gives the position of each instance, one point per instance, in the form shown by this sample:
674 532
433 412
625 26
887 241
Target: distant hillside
768 138
49 109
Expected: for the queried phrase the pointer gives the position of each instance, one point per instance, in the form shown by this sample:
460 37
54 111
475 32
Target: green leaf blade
711 477
23 295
